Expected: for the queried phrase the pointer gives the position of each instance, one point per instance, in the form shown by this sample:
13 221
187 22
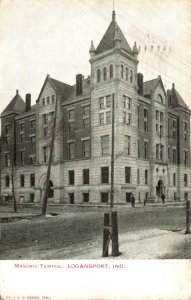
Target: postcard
95 158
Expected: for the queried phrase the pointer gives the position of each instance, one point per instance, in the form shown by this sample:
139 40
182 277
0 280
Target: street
76 232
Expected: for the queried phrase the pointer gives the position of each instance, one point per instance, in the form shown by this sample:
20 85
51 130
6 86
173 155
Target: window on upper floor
160 99
131 76
126 118
33 141
70 126
7 159
105 145
127 175
22 157
22 137
32 159
86 123
138 148
126 73
86 148
32 124
71 177
71 150
185 179
22 180
86 111
108 101
48 100
174 178
7 128
43 101
101 102
108 117
127 145
32 179
146 149
7 140
111 71
138 176
146 176
101 118
145 119
185 157
126 102
122 71
45 131
98 75
104 174
22 126
53 99
45 118
86 175
71 115
174 158
45 153
104 73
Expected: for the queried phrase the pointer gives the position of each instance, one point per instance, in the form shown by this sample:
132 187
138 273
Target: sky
40 37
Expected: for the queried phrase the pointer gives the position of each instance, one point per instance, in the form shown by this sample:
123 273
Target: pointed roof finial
92 48
135 49
173 85
113 15
17 92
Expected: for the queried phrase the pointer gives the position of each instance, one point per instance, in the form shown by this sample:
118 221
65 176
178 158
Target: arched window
111 71
160 99
131 76
104 73
122 71
98 75
126 73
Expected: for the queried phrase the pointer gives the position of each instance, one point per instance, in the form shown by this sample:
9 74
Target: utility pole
110 231
45 196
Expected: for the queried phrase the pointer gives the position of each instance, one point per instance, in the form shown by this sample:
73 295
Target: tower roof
108 39
177 99
17 104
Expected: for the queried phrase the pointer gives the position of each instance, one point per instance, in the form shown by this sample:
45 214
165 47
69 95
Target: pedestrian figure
132 200
163 198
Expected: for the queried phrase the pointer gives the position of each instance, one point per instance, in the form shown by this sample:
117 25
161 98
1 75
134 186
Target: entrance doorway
50 189
160 188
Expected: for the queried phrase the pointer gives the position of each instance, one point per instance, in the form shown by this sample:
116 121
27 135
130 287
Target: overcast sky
40 37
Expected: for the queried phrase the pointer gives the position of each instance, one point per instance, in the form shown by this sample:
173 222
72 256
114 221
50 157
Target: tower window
122 71
98 75
131 76
104 73
111 71
126 73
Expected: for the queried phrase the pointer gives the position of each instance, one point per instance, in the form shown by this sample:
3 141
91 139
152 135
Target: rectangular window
128 119
185 137
71 114
104 174
7 181
22 126
7 159
127 145
146 144
71 177
161 130
7 140
138 148
22 154
101 102
71 198
161 152
71 150
85 197
86 148
168 153
32 159
145 119
127 175
22 137
86 111
101 118
157 151
43 101
138 125
86 176
174 156
105 145
48 100
128 197
146 176
45 153
124 117
126 102
45 130
71 126
108 117
174 179
22 180
7 128
157 115
32 180
161 117
185 126
86 123
185 180
53 98
185 157
45 118
108 101
33 142
104 197
32 123
138 176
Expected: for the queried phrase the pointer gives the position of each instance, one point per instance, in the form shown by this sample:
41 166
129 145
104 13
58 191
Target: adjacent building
151 128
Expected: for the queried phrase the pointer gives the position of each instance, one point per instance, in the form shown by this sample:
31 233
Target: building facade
151 134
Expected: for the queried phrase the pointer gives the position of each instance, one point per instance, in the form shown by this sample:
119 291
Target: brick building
152 134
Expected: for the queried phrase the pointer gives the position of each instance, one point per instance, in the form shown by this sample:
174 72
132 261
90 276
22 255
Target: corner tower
114 72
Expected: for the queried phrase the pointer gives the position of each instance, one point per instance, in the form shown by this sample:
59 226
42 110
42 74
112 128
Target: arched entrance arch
160 188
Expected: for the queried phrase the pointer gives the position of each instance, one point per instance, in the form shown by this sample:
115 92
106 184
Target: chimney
28 102
78 84
140 83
